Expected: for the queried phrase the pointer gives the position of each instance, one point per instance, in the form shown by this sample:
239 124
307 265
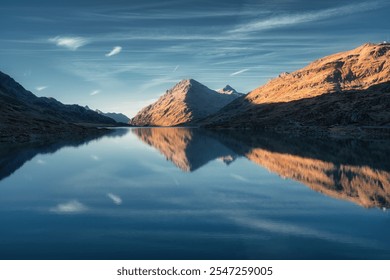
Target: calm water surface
175 193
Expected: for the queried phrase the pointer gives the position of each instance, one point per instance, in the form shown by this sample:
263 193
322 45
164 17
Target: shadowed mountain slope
348 88
25 117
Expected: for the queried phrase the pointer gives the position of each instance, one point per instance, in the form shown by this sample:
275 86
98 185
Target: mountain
229 90
118 117
25 117
347 88
187 101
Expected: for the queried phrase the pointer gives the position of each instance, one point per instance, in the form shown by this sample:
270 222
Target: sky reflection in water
164 193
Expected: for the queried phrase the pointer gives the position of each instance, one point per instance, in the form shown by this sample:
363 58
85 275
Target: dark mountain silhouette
25 117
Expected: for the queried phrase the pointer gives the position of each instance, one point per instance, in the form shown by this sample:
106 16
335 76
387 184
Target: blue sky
122 55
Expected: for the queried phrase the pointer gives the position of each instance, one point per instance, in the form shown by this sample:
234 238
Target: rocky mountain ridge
186 102
345 89
25 117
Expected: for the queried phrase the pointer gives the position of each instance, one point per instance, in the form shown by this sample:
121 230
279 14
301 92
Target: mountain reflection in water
13 156
348 169
211 197
188 149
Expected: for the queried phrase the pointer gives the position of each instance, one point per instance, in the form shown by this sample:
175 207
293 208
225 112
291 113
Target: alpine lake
181 193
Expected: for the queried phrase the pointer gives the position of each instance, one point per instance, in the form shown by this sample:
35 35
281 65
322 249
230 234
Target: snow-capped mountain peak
228 90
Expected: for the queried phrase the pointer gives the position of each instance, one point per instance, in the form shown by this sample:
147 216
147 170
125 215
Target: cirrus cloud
72 43
239 72
70 207
114 51
94 92
115 198
40 88
306 17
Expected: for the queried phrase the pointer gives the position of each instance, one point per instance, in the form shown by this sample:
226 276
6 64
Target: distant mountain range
25 117
188 101
118 117
338 93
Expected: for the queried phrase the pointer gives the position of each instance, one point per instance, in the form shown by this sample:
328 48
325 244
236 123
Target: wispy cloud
239 178
162 11
158 82
115 198
94 92
294 19
70 207
239 72
114 51
41 88
297 230
72 43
